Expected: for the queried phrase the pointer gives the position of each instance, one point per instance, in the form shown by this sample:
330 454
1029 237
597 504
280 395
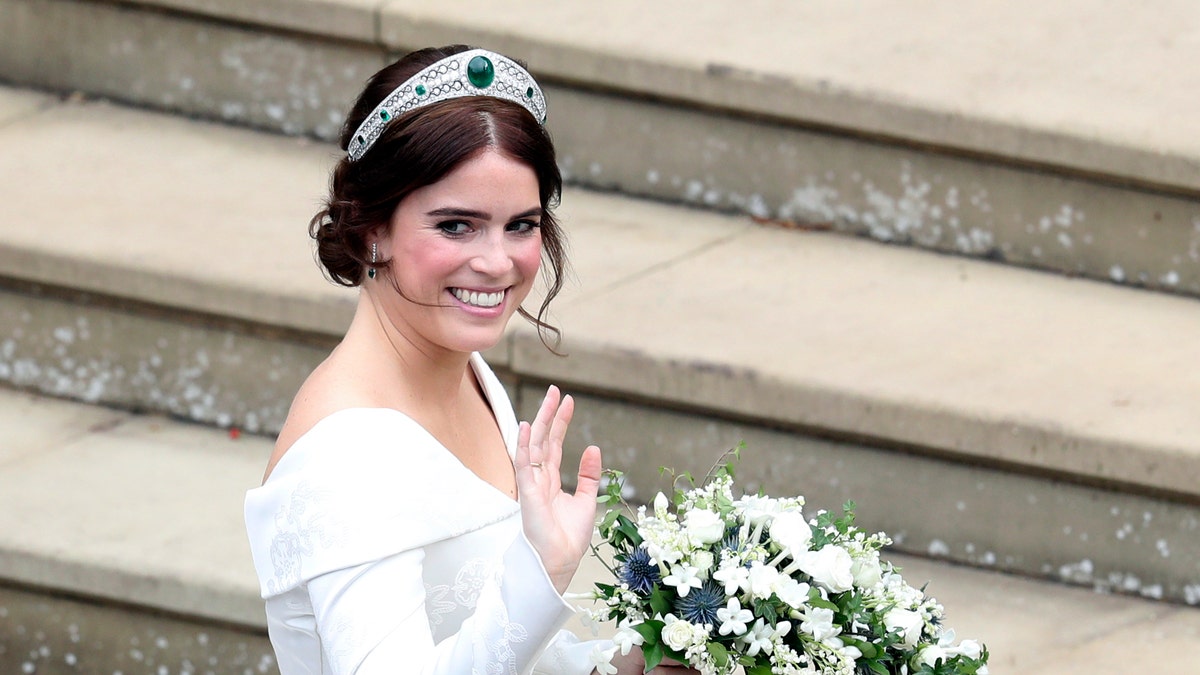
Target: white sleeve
372 618
567 655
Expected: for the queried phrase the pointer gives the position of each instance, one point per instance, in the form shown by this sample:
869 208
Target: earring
374 257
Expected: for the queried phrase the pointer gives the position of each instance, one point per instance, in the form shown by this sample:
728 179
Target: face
465 251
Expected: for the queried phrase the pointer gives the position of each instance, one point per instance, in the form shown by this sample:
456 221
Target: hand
558 525
634 663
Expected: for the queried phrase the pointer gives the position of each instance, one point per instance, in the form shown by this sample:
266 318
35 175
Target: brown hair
420 148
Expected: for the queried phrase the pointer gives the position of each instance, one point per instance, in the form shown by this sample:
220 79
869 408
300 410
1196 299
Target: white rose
791 532
907 623
677 633
829 567
867 572
704 527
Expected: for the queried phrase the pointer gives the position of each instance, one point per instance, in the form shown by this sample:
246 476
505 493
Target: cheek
529 256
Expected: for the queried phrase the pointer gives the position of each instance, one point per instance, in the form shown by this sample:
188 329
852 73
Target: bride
407 523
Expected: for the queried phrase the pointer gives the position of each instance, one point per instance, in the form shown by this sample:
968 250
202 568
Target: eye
523 226
454 228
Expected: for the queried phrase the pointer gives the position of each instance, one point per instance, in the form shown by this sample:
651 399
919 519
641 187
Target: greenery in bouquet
750 584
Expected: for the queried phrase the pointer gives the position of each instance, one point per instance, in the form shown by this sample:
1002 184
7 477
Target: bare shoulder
327 390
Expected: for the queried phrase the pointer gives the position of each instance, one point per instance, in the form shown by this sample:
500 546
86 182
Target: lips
477 298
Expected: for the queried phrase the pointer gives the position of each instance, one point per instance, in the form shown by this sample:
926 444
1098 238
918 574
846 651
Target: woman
387 534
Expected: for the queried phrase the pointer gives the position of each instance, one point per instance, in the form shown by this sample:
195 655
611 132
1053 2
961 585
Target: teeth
479 299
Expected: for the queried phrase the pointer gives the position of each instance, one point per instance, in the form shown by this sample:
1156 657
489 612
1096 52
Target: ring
536 465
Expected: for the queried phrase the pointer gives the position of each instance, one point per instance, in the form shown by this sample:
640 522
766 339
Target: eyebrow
455 212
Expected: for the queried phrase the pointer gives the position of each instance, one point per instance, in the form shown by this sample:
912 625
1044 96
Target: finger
590 470
521 460
542 424
558 431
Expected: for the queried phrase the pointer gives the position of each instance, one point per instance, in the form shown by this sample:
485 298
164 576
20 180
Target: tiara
477 72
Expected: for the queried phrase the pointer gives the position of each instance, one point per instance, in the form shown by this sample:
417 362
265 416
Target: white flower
601 659
627 638
829 567
661 504
818 623
790 531
703 560
930 654
677 633
967 648
905 622
684 578
591 621
704 527
734 576
733 618
866 571
793 592
762 637
762 580
757 509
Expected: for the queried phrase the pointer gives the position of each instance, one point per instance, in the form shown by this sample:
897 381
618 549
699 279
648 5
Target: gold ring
536 465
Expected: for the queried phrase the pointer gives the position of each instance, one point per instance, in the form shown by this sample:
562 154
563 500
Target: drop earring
374 257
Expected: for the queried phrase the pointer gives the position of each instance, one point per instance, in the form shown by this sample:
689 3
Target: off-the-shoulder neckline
482 372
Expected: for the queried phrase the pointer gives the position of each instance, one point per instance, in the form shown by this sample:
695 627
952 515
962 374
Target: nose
491 256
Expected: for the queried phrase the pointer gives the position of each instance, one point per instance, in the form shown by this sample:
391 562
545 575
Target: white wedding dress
378 551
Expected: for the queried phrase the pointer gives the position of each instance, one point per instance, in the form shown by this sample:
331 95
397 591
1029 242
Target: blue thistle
639 572
732 540
701 605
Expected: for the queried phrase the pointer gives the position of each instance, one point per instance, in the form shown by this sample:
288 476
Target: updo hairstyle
420 148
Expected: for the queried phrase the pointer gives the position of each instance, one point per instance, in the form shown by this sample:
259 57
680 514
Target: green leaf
650 631
654 656
719 653
759 669
659 602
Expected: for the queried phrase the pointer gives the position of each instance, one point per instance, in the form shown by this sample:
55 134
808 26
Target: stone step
981 413
122 550
1042 135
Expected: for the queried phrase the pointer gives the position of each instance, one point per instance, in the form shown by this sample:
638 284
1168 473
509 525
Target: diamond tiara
477 72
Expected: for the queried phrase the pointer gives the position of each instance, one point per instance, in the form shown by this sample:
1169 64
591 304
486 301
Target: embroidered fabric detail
301 527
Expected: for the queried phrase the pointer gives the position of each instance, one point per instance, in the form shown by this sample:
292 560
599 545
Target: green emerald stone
480 72
529 93
383 115
362 141
420 89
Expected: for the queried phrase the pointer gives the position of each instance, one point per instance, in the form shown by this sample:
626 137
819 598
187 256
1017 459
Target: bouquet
751 585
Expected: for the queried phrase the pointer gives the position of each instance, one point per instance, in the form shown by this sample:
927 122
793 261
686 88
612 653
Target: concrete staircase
1014 420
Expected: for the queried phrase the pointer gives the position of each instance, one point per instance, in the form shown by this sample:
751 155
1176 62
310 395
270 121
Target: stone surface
145 511
851 338
858 139
177 62
828 333
18 103
99 353
887 192
170 211
982 516
51 635
356 20
157 524
1016 79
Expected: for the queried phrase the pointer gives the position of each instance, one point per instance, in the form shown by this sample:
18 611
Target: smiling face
465 252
